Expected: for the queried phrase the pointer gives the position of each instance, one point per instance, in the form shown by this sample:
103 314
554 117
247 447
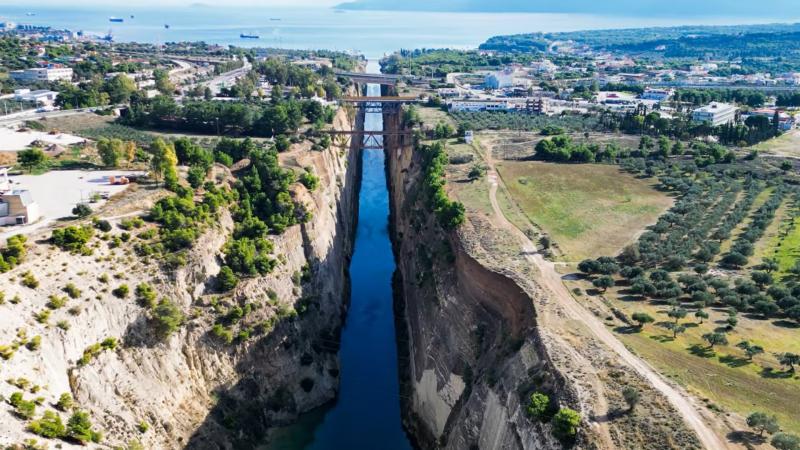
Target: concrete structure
46 74
41 97
478 105
16 206
505 78
468 137
715 113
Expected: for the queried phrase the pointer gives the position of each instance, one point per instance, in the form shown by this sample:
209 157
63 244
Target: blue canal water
366 414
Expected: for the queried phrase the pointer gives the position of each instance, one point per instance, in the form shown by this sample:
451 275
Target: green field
787 144
588 209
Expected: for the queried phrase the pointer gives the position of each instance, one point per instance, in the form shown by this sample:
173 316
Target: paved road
550 280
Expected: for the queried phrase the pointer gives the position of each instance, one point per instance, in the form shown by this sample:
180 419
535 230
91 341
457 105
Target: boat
275 19
249 36
132 16
116 19
29 14
166 25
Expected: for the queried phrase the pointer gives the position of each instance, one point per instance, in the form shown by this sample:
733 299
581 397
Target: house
448 92
40 97
715 113
42 74
16 206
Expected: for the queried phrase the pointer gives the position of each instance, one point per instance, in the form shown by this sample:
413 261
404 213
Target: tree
603 283
31 158
120 88
631 396
700 314
769 265
163 159
110 151
538 405
762 422
79 427
677 314
642 319
715 339
163 83
676 328
565 424
226 279
785 441
789 360
761 278
749 349
82 210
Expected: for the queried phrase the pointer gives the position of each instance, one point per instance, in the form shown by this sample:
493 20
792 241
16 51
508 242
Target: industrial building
44 74
715 113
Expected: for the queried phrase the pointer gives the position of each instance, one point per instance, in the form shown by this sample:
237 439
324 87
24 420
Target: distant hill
628 7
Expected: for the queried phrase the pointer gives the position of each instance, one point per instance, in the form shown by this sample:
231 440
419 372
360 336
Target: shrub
79 427
166 318
226 279
49 426
538 405
308 179
82 210
565 424
145 295
34 344
29 281
72 290
121 292
73 238
631 397
102 225
56 302
65 402
785 441
143 427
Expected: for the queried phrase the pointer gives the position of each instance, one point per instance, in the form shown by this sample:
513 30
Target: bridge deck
389 100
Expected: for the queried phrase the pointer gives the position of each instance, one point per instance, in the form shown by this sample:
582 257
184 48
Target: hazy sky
68 3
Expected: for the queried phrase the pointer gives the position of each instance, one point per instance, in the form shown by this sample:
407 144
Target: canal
366 413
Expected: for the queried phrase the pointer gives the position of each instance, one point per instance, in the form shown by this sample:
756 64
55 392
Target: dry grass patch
589 209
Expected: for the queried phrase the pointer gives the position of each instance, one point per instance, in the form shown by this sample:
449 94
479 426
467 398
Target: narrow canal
366 414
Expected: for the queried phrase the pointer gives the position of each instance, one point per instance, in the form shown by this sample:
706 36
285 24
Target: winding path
551 281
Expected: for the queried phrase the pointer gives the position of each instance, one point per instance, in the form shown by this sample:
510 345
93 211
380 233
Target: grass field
787 144
589 210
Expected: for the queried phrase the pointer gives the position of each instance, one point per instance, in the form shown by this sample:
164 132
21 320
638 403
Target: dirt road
550 280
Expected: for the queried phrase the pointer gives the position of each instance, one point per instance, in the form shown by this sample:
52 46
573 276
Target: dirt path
550 280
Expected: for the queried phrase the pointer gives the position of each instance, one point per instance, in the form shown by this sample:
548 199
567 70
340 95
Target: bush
121 292
82 210
565 424
72 291
49 426
785 441
79 427
29 281
145 295
102 225
538 405
73 238
226 279
65 402
166 318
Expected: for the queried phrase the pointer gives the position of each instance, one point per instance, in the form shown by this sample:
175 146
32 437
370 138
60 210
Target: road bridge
371 140
389 105
370 78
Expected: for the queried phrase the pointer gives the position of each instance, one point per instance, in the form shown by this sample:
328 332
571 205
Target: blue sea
372 33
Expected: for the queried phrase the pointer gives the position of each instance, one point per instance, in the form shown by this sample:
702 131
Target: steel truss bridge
370 78
389 105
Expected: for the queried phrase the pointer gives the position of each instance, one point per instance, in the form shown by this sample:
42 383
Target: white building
16 206
657 94
506 78
42 74
41 97
544 66
715 113
478 105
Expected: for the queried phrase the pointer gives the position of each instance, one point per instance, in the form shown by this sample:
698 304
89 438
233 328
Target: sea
370 33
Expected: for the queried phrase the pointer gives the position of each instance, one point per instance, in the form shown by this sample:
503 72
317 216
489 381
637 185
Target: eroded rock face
467 332
193 390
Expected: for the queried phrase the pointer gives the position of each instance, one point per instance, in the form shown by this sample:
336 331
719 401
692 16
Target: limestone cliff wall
193 391
469 344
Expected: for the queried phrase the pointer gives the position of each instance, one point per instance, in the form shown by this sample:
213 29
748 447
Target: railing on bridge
379 104
370 140
370 78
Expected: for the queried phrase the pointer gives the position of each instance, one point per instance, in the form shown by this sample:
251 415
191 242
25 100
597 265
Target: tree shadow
734 361
786 324
629 297
769 372
662 338
747 438
690 324
701 351
628 330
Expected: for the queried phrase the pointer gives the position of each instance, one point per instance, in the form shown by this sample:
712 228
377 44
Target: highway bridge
389 105
370 78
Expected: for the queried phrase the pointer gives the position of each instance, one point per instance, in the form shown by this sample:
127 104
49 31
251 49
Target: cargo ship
249 36
116 19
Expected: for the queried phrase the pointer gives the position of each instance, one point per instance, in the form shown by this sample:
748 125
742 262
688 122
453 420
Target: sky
262 3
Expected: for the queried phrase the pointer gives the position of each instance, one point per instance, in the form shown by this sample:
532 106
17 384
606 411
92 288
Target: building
40 97
478 105
46 74
16 206
506 78
469 137
448 92
715 113
660 95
